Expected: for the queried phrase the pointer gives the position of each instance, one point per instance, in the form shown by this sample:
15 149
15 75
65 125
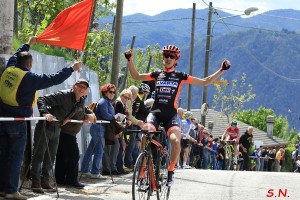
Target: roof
220 124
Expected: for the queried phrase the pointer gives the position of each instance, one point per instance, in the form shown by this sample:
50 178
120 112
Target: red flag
70 27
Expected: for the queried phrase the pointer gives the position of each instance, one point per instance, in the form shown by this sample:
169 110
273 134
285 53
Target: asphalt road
191 184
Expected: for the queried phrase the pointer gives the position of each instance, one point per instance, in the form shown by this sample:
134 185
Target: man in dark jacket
62 105
245 142
18 93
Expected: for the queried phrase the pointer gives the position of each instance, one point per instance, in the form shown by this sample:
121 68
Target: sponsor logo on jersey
161 76
165 90
164 96
163 101
167 83
175 79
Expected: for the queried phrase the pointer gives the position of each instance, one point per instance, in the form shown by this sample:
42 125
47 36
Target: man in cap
61 106
18 95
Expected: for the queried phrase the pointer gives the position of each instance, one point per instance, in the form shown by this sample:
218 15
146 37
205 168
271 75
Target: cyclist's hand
225 65
128 55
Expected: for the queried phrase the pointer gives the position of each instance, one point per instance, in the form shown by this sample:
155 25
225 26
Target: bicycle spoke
141 180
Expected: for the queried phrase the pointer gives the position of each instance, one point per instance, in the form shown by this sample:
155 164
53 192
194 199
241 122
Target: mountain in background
265 47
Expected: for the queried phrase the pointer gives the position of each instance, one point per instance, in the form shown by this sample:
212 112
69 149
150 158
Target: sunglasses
112 92
126 97
172 56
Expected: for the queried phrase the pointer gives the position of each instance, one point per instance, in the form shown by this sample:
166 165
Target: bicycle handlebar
144 131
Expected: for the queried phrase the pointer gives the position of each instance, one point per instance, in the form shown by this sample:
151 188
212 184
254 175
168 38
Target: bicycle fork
151 173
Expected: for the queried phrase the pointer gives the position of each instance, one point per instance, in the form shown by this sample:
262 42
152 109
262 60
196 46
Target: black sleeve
142 109
50 100
119 108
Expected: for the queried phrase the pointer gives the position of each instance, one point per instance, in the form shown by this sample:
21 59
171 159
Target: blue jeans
213 159
206 156
95 147
129 156
220 165
13 137
262 164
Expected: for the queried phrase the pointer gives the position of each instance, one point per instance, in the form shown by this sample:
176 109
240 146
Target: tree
231 98
141 61
258 119
6 19
35 16
98 51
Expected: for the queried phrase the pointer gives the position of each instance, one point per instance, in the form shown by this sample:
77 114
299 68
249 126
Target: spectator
244 143
113 154
271 159
278 158
18 93
206 148
220 156
186 127
104 111
62 106
263 157
140 112
67 157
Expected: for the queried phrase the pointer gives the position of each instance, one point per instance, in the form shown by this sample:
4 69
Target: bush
287 164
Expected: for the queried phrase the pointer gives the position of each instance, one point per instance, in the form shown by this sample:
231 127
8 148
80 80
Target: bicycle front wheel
141 185
162 165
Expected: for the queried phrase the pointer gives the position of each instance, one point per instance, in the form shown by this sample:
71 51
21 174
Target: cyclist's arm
135 74
224 134
207 80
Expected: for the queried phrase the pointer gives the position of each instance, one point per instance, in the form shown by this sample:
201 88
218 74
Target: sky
153 7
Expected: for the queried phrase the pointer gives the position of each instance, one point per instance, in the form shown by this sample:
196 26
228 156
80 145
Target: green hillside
265 47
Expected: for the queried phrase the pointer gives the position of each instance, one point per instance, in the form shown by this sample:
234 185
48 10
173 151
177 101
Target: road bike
151 168
231 158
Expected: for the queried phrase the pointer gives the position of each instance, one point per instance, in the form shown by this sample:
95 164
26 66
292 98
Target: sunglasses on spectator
172 56
126 97
112 92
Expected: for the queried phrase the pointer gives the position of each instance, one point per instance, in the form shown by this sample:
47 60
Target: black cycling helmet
144 88
233 123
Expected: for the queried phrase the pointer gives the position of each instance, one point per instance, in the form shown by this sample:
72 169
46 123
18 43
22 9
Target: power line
269 69
276 16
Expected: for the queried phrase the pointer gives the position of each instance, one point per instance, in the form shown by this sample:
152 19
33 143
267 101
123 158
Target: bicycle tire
161 174
141 186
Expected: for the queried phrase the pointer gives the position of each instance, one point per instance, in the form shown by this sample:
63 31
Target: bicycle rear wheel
161 171
141 183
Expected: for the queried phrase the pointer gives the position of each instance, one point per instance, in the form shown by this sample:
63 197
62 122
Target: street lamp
290 112
248 11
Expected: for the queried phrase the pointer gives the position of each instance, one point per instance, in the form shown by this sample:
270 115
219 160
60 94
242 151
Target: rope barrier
44 118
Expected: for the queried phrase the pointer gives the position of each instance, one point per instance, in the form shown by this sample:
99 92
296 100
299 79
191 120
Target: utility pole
117 43
207 52
191 55
123 83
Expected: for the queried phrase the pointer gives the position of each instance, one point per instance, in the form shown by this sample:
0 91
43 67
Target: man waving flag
70 27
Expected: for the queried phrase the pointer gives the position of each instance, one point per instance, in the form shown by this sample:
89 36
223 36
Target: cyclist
168 85
232 133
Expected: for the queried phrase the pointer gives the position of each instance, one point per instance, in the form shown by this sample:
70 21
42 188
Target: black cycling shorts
165 118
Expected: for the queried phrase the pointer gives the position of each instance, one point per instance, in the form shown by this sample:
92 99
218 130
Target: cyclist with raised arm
168 85
232 133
